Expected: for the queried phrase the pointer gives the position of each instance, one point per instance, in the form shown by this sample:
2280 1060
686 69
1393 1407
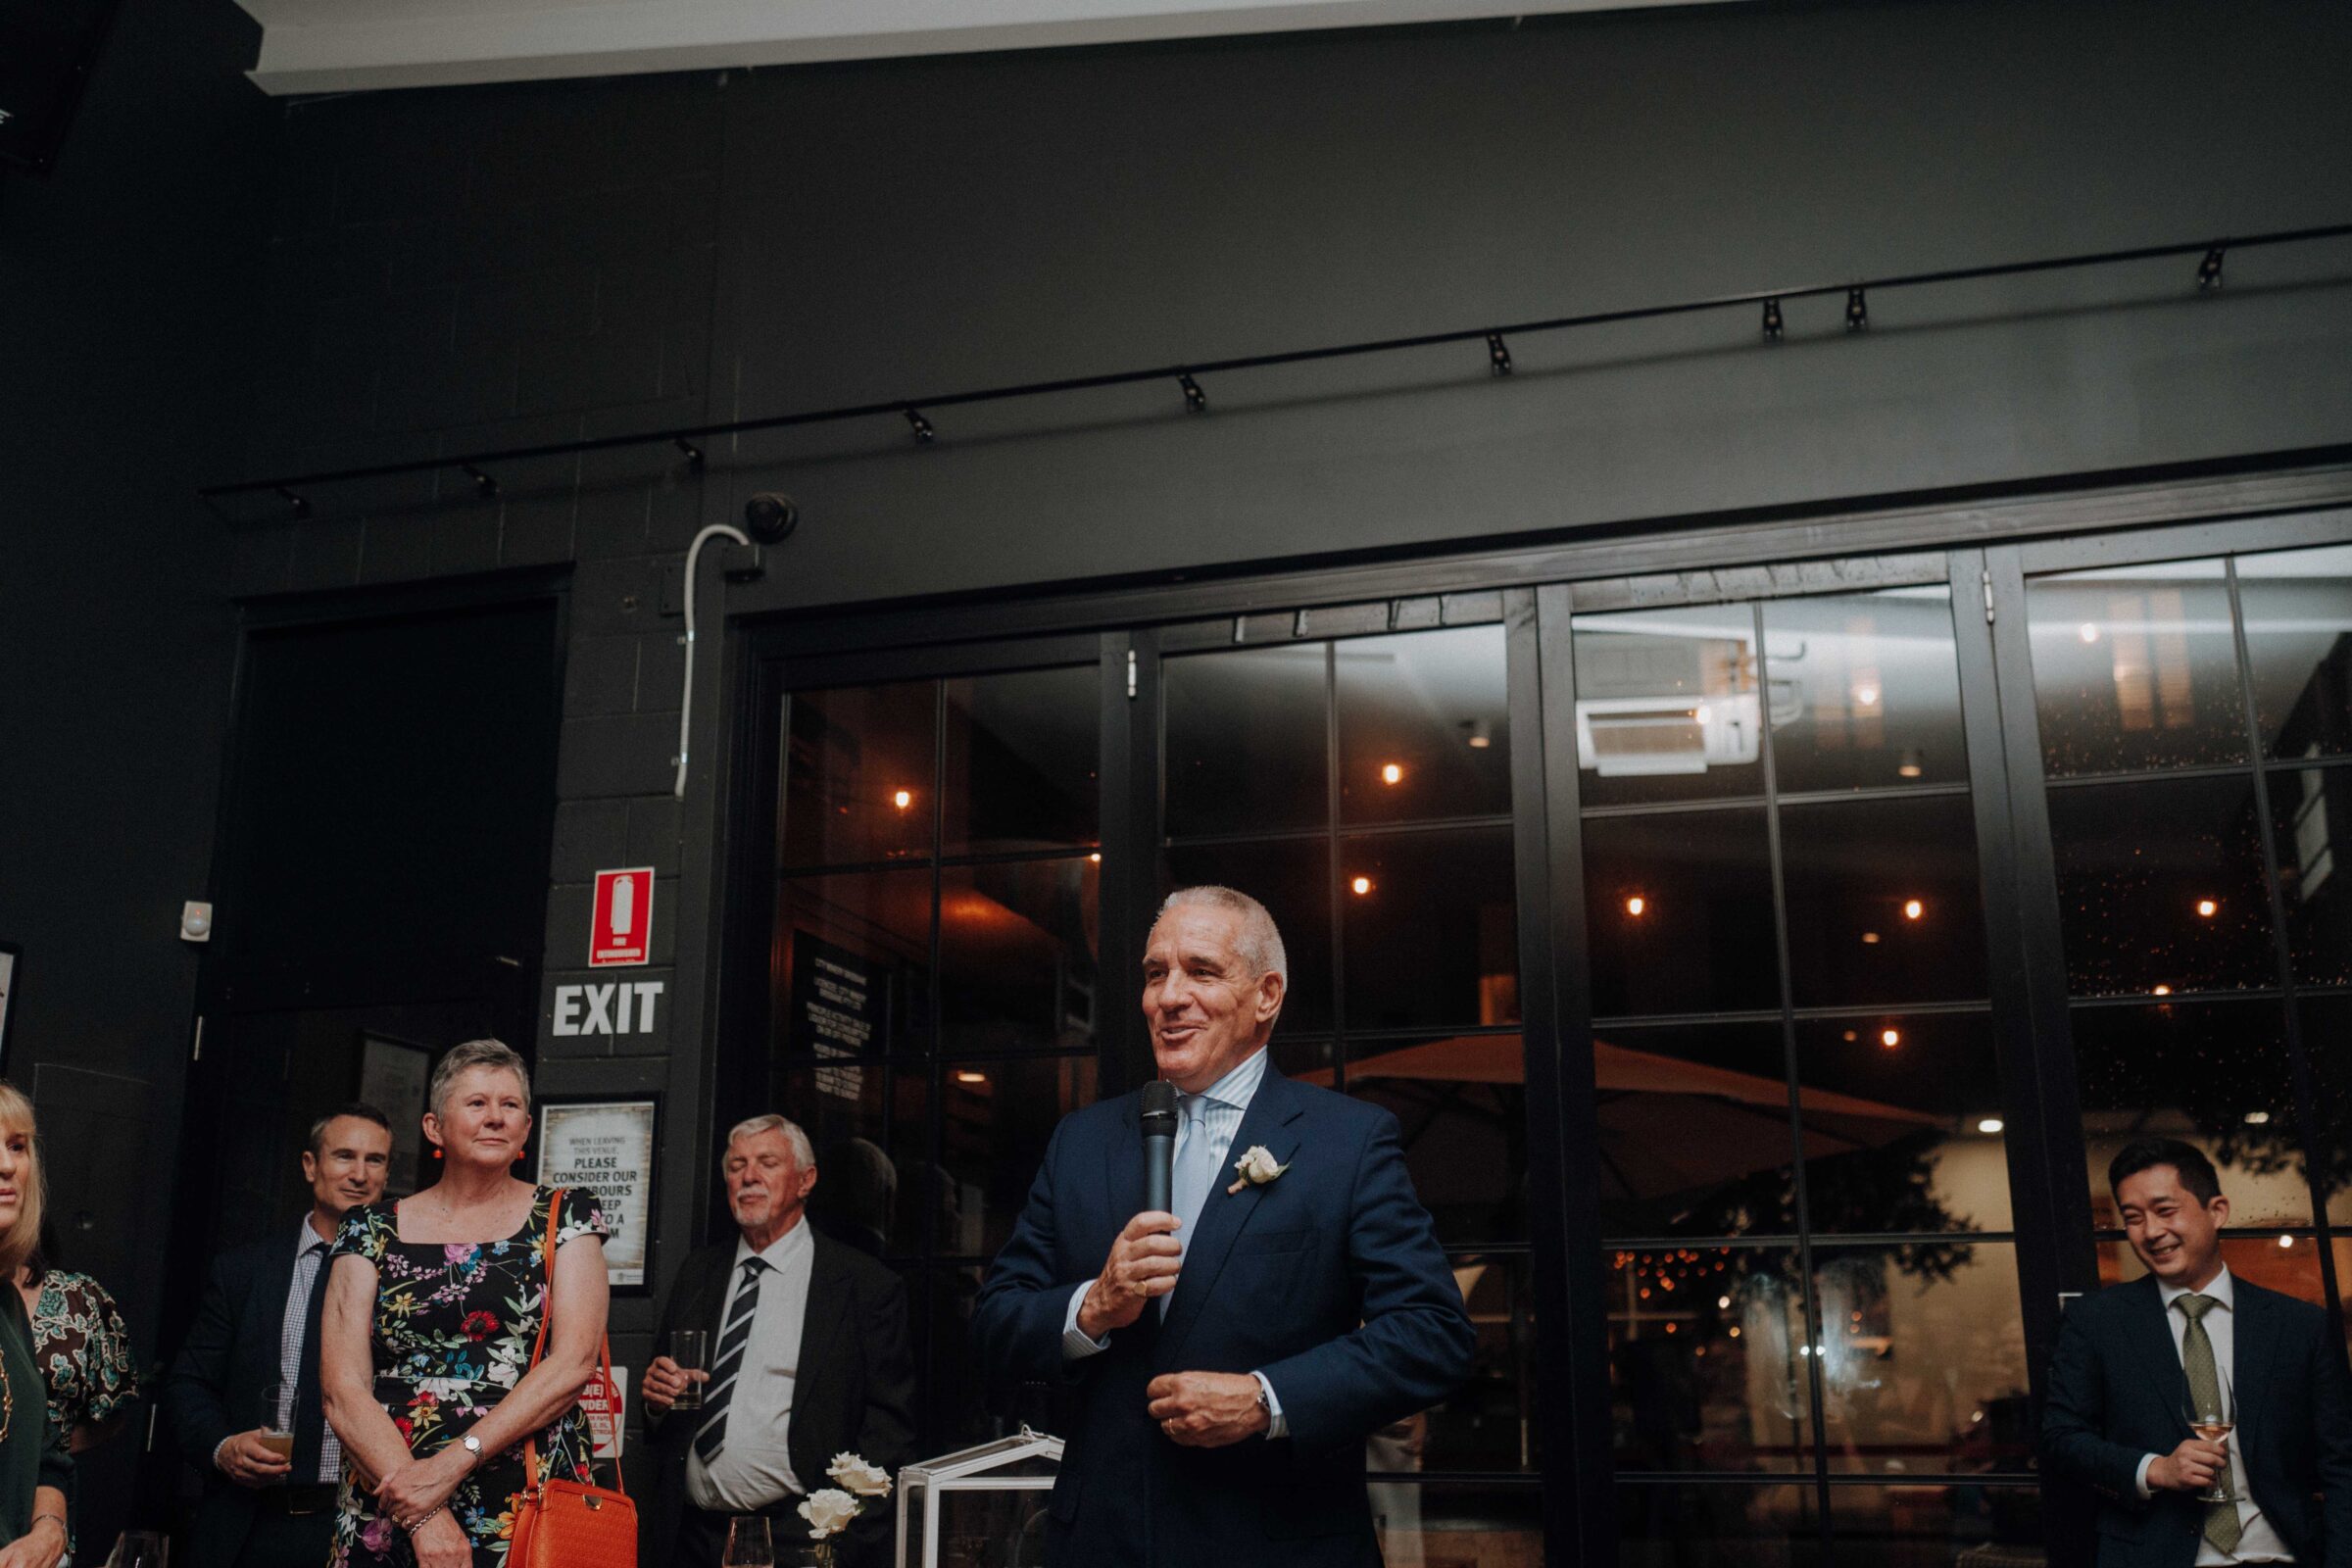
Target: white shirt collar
1239 1087
780 1252
2220 1290
310 1238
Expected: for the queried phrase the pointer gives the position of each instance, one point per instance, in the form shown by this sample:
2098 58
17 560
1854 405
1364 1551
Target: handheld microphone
1160 1144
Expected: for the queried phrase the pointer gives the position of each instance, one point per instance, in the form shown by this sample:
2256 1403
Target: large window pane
1016 956
1246 742
853 963
996 1117
1678 907
858 774
1883 901
1021 762
1865 691
1492 1421
1424 726
2327 1046
1706 1369
2297 606
1457 1524
1696 1138
1971 1525
1430 929
2310 810
2215 1074
1922 1358
2291 1269
2135 667
1902 1124
2160 884
869 1123
1461 1104
1674 1525
1292 879
1666 705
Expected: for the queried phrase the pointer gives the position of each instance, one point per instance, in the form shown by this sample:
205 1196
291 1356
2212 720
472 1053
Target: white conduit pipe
694 552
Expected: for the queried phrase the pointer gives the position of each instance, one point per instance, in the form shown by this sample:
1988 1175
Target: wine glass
2214 1418
138 1548
749 1544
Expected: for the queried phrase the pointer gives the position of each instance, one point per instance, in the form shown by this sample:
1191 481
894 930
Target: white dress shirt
1223 1105
309 1263
753 1471
2257 1541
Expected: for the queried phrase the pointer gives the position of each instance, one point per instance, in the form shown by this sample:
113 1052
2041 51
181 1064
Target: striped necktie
2222 1525
728 1363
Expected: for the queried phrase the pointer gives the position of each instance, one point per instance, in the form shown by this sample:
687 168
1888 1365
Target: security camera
771 517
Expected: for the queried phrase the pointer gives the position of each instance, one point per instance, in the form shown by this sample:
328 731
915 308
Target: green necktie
2205 1388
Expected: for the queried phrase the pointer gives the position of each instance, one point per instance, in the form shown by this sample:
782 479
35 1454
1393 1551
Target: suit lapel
1271 1120
2152 1347
2253 1336
819 1317
1123 1168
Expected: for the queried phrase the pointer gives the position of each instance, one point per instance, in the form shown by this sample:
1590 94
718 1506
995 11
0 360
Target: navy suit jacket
1329 1280
2115 1393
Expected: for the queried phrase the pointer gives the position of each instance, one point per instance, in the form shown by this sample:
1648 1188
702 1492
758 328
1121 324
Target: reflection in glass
867 1122
996 1117
1021 762
2293 1269
1870 687
1938 1525
1902 1121
1016 956
1704 1369
1667 1525
1678 910
2297 606
1666 705
1490 1423
853 963
1424 726
1883 901
1247 748
1292 879
2160 884
1696 1138
960 1405
2212 1073
1462 1105
1922 1358
2327 1046
1430 928
858 774
1457 1524
2135 667
2309 807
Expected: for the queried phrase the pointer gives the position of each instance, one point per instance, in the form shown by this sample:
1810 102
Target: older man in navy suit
2127 1359
1227 1360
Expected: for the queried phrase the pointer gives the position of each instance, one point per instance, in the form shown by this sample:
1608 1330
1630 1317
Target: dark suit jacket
854 1390
1329 1280
215 1385
2115 1393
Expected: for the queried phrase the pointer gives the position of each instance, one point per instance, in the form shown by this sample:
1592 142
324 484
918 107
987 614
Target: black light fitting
1857 312
2209 271
924 435
692 453
1499 358
482 482
302 508
1196 401
1774 325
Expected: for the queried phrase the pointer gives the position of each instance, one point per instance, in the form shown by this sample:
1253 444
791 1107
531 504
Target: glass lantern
982 1507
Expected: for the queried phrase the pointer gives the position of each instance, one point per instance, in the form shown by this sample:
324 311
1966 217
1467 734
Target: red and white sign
622 931
607 1407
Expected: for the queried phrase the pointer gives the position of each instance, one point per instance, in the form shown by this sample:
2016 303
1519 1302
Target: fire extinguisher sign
622 929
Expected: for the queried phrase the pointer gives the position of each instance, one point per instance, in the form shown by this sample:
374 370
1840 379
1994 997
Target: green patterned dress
454 1328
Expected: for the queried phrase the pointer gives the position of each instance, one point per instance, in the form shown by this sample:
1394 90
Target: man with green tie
2133 1362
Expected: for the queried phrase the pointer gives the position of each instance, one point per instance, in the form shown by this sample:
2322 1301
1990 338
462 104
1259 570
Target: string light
2207 909
1636 905
1913 909
1362 886
1391 773
903 799
1890 1038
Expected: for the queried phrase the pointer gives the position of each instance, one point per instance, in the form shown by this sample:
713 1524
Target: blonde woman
33 1466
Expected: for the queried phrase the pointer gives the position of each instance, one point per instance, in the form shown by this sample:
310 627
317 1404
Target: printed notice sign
607 1406
837 1011
608 1147
622 928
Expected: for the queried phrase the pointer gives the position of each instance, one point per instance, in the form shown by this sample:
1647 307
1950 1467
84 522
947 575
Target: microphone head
1159 1105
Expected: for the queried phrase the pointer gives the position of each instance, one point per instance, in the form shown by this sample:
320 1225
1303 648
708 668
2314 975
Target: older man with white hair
808 1358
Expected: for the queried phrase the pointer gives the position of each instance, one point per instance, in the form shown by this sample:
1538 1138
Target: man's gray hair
751 1127
1257 942
495 1053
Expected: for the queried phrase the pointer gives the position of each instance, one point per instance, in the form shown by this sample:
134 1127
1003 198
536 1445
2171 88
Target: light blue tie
1196 1168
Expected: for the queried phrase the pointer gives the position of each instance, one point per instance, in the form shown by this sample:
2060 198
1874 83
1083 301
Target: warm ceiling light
1870 939
1851 1037
2258 1118
1866 697
2089 633
1482 733
902 800
1733 1330
2162 991
1911 765
1722 1302
1913 908
1636 905
2207 909
1391 773
1362 886
969 1077
1096 858
1991 1124
2287 1240
1890 1038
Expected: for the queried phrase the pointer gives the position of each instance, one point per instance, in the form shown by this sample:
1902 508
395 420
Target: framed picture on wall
608 1145
393 1075
10 960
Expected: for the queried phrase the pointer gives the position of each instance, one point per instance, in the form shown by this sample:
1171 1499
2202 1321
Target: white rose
828 1512
853 1473
1258 1166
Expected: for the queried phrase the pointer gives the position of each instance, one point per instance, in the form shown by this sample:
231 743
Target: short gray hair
751 1127
494 1054
1258 942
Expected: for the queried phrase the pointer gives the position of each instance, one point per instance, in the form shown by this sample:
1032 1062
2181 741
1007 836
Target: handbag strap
604 1350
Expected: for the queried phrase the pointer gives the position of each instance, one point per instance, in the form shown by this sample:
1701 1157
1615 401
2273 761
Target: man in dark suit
2128 1357
808 1358
257 1327
1227 1360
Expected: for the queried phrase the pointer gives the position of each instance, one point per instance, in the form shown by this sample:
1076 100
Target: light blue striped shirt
1222 1106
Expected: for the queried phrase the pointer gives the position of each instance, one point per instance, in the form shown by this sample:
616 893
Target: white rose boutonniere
1256 1168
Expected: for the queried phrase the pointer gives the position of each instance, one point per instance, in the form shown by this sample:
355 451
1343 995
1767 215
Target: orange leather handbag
570 1524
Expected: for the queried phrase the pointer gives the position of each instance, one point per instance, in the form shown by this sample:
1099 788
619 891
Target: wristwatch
473 1445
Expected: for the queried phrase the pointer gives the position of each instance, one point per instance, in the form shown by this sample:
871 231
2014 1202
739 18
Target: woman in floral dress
428 1331
84 1349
